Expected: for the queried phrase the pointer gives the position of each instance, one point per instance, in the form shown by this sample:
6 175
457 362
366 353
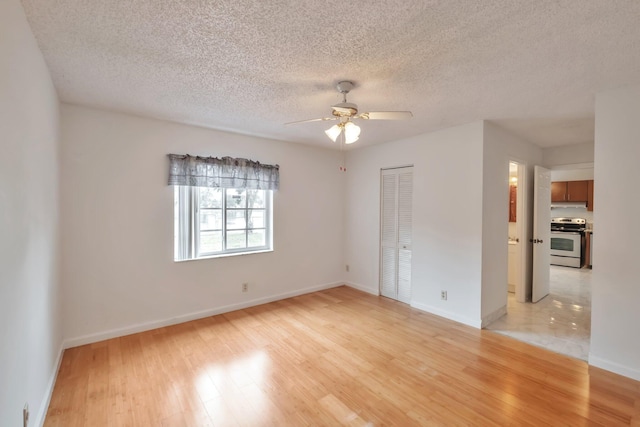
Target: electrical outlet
25 415
347 268
443 295
245 287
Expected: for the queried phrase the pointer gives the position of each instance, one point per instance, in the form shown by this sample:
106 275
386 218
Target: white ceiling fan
345 112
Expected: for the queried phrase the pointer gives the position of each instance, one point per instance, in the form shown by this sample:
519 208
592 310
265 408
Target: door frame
522 224
380 242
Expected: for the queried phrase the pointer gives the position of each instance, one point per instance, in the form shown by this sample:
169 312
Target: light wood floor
336 357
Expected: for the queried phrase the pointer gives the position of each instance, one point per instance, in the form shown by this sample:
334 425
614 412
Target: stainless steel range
567 241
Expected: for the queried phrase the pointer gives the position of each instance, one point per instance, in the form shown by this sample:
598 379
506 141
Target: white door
395 233
541 233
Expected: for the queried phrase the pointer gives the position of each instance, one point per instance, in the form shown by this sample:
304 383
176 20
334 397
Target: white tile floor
560 322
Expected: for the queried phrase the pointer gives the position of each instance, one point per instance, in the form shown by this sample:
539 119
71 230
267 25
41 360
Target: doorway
516 283
396 209
560 319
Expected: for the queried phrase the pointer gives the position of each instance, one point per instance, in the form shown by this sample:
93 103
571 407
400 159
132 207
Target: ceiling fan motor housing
345 86
344 109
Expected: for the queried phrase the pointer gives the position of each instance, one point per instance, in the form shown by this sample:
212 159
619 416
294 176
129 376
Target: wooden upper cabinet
513 202
569 191
590 195
559 191
577 191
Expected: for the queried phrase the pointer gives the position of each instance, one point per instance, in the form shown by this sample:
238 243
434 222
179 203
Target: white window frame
187 225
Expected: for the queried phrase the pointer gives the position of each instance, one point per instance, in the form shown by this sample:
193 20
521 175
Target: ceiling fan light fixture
351 132
345 112
333 132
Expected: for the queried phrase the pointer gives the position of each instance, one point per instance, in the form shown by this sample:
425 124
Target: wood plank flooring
336 357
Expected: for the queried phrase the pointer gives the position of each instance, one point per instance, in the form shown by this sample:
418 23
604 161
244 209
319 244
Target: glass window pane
257 238
210 197
210 241
562 244
256 218
236 219
210 219
256 198
228 221
236 198
236 239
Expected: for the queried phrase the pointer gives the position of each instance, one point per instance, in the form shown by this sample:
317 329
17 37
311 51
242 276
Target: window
213 221
222 206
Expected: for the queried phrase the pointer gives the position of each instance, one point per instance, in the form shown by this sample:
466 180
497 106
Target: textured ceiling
532 67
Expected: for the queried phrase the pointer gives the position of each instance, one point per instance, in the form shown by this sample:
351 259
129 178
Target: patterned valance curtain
226 172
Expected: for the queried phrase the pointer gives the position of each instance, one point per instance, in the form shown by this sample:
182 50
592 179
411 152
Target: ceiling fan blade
386 115
322 119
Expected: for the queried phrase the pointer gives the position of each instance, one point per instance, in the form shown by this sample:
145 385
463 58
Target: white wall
568 155
585 172
615 343
495 226
501 147
460 216
447 218
30 332
117 220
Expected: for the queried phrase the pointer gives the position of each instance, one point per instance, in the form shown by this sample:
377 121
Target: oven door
566 248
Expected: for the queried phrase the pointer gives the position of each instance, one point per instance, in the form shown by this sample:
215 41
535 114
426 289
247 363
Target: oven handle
576 233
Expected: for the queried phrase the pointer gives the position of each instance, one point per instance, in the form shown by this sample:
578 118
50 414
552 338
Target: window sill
224 255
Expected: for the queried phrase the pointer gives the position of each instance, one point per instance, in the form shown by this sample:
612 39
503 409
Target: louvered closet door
395 242
389 235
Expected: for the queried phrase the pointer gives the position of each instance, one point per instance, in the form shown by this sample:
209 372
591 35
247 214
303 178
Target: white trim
572 166
396 167
447 315
44 405
492 317
367 289
224 255
147 326
523 221
614 367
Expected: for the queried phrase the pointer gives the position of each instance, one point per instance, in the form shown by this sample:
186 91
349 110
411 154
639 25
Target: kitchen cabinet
558 191
590 195
513 194
569 191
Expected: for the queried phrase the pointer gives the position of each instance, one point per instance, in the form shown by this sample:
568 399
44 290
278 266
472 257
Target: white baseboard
44 405
447 315
492 317
363 288
616 368
147 326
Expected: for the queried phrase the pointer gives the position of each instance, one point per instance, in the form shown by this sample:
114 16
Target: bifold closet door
395 233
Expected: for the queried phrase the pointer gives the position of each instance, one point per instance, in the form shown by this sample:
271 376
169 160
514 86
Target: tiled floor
560 322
